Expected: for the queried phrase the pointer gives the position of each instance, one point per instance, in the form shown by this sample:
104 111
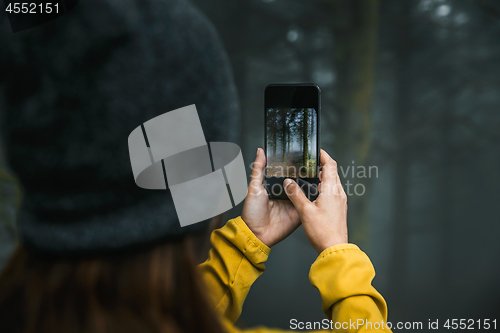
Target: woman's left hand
270 220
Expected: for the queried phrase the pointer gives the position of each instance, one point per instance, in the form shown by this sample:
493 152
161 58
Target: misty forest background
412 87
291 142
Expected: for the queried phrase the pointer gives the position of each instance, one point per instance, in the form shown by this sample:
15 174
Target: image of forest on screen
291 142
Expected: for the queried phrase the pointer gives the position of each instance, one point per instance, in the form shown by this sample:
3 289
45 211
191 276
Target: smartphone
292 127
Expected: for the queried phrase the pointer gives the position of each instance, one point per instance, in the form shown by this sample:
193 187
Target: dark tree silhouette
274 133
305 127
355 26
283 132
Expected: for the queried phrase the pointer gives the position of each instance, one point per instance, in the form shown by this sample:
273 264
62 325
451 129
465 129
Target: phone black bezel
292 95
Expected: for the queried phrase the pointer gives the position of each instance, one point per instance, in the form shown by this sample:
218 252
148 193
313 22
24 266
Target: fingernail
287 182
258 151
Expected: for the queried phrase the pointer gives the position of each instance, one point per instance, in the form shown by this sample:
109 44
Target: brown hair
157 290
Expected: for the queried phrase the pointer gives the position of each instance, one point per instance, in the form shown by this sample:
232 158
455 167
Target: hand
324 220
270 220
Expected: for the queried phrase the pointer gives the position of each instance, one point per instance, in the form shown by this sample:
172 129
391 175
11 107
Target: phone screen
291 142
292 124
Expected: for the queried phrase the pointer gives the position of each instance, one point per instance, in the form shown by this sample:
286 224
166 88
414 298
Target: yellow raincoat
342 274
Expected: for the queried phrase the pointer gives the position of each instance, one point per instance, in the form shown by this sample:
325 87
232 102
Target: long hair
156 290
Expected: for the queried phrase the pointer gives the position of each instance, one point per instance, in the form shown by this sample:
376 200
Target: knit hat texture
72 90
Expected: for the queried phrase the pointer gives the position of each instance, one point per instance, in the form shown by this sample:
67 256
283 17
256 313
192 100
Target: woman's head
74 90
97 253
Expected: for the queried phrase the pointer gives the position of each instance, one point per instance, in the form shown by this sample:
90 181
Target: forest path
290 168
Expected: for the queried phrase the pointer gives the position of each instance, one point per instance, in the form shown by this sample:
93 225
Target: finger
332 189
257 175
329 173
295 194
320 175
324 157
339 189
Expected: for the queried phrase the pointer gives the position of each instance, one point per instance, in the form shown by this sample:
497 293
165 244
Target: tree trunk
288 139
283 135
305 128
399 261
356 31
275 126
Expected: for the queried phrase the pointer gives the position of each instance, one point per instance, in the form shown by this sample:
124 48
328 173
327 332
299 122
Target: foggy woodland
412 87
291 142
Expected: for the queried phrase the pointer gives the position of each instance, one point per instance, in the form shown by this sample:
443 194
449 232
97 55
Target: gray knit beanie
72 90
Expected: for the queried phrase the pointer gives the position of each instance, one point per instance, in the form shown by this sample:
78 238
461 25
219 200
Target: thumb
257 175
295 194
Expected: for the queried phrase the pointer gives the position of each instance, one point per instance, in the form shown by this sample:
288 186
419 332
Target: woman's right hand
324 220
